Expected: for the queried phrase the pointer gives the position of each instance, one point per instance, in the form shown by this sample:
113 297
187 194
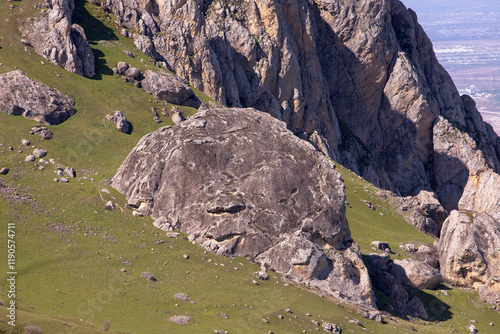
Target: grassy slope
70 250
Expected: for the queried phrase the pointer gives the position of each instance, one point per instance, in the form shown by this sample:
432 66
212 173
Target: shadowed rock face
241 184
21 95
55 38
358 78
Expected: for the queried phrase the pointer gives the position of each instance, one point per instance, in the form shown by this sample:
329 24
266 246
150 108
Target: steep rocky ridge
239 183
357 78
55 38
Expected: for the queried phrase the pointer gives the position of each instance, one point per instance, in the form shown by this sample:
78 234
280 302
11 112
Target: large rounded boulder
241 184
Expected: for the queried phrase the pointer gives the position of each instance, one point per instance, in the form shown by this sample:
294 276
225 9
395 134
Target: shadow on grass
395 297
96 31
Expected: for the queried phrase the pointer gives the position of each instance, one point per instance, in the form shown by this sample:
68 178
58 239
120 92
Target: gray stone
122 124
177 117
164 85
181 297
181 319
4 170
417 274
133 72
109 206
25 142
69 171
21 95
29 158
251 167
122 67
39 152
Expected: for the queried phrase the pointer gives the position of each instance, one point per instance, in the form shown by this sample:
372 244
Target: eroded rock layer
241 184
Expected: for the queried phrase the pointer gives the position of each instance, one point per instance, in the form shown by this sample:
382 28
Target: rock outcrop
469 250
390 277
55 38
482 194
240 184
359 79
21 95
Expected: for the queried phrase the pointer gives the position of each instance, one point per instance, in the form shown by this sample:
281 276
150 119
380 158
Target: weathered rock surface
241 184
55 38
359 79
21 95
165 86
469 249
482 194
121 122
417 274
424 211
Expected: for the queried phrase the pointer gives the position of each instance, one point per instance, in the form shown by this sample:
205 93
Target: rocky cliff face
240 184
55 38
359 79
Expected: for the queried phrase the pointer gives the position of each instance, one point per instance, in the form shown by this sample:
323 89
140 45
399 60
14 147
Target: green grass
70 250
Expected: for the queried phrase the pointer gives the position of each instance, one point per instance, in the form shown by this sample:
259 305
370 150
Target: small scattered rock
122 67
281 316
65 180
287 310
149 276
43 162
181 297
331 328
177 117
4 170
56 180
119 119
186 256
445 293
472 329
41 131
25 142
224 315
39 153
265 321
172 235
109 206
70 172
29 158
128 53
382 245
255 282
181 319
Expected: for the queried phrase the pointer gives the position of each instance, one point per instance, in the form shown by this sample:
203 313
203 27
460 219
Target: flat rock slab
181 319
21 95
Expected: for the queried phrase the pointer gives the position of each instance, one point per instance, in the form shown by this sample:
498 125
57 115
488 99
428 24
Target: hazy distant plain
466 39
